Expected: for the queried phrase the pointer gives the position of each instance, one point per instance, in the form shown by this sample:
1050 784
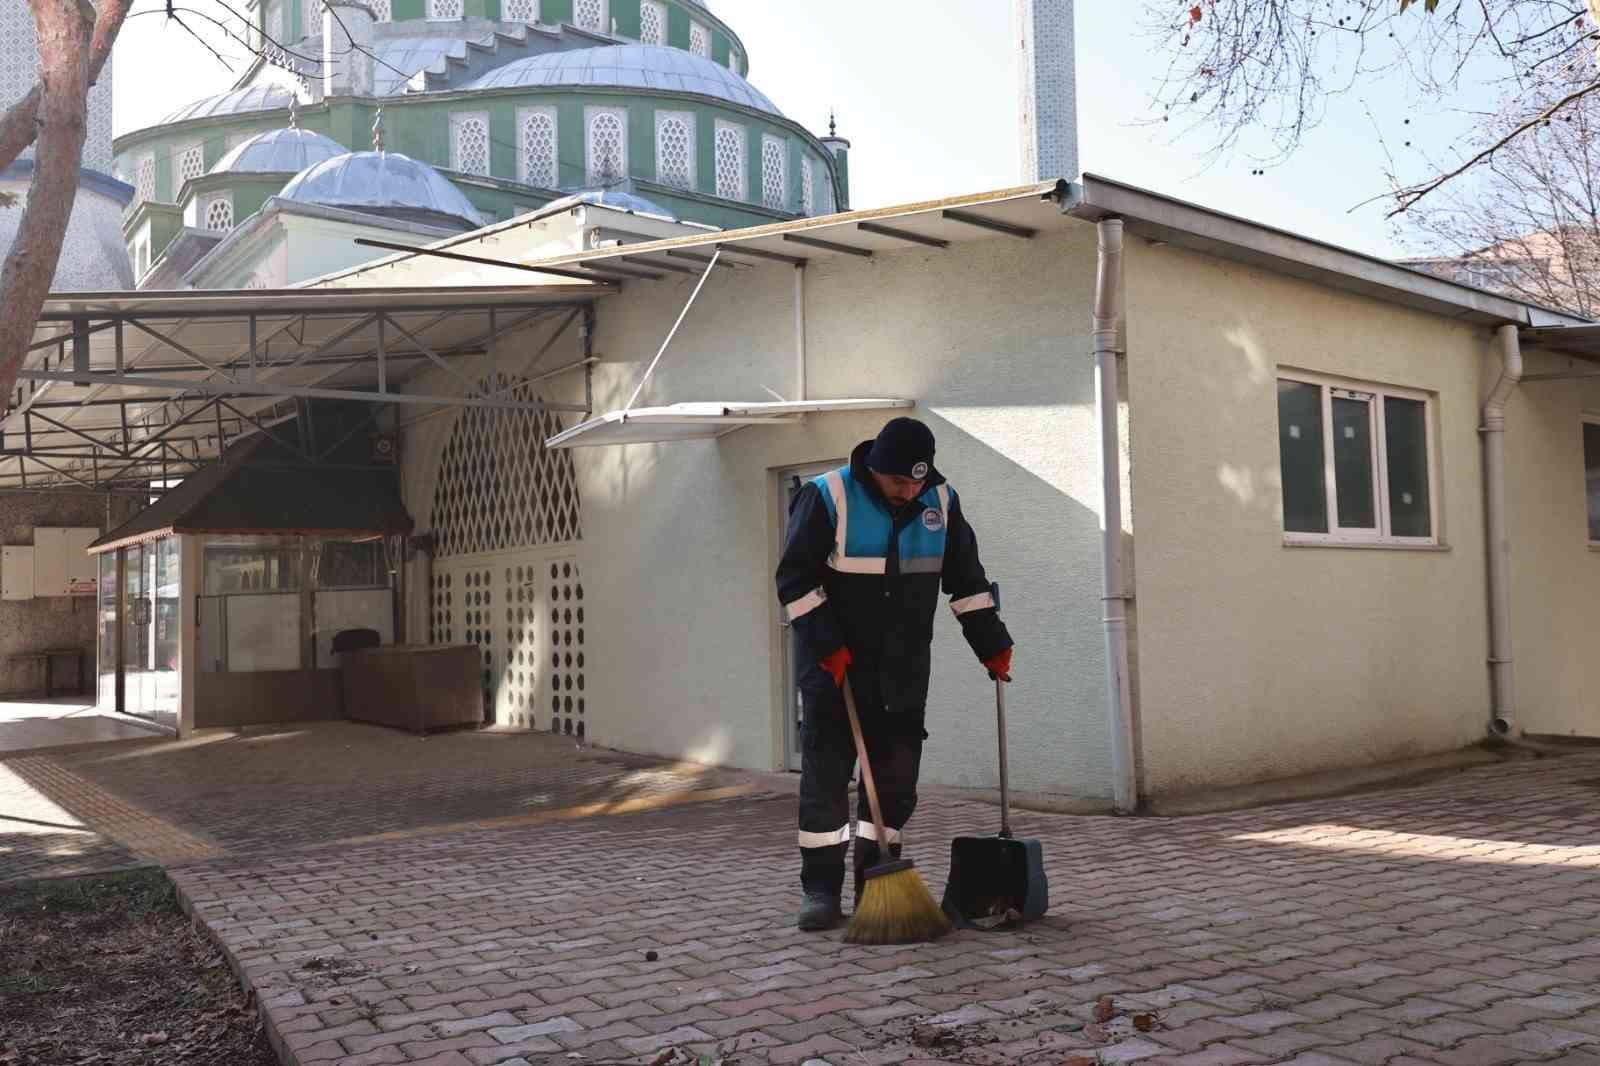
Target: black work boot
819 911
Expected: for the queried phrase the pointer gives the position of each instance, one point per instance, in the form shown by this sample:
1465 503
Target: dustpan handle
866 768
1005 783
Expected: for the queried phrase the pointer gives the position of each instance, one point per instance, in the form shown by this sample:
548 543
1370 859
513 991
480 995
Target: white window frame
590 114
661 16
605 18
144 190
537 14
432 15
1338 535
459 119
310 18
1587 420
742 193
275 25
735 61
183 151
688 118
523 175
705 32
808 186
782 204
203 210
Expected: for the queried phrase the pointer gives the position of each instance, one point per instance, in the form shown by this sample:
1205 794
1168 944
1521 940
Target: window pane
1405 433
1591 464
1352 463
1305 497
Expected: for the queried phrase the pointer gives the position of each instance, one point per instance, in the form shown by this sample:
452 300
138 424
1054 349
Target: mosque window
675 148
652 22
519 10
144 181
589 15
191 163
536 146
442 10
825 200
808 187
774 173
735 61
608 145
382 10
217 211
469 142
311 18
699 40
730 161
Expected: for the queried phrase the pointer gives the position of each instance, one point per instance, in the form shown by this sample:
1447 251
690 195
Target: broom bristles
895 908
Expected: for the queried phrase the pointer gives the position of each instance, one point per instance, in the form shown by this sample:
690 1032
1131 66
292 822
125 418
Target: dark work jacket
855 574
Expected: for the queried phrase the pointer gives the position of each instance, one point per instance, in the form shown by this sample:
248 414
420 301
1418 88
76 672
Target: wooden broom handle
866 768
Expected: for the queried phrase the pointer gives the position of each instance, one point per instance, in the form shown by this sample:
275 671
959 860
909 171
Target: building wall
93 255
19 71
1555 574
680 541
1258 660
54 621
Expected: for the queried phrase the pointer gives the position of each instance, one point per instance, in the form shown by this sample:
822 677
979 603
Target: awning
700 421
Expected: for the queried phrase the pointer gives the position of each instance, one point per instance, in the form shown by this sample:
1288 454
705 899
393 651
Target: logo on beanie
932 520
919 470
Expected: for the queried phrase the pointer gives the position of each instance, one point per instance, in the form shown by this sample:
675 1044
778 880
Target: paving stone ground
1454 923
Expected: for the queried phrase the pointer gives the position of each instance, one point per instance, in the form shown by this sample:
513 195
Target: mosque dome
384 183
619 199
642 67
239 101
285 151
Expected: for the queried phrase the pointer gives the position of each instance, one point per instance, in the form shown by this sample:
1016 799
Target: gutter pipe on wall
1503 718
800 330
1108 307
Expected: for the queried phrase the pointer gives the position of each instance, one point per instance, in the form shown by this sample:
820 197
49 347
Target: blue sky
926 91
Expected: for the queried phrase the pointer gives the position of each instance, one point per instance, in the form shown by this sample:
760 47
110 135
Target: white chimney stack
1047 95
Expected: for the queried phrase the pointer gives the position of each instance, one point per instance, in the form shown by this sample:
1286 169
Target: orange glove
836 663
999 667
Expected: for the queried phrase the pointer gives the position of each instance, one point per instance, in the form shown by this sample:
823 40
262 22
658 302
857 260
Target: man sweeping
870 545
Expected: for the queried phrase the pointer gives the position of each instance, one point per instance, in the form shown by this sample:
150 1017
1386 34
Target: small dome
628 66
285 151
384 183
613 198
255 98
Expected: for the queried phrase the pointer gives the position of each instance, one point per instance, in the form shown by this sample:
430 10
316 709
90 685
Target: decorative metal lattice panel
219 212
590 15
730 162
311 18
734 63
519 10
144 181
699 40
774 173
564 605
537 133
444 9
498 486
652 23
608 153
470 147
275 24
808 188
382 10
191 163
675 149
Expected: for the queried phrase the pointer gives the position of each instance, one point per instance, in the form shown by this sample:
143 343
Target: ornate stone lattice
674 149
444 9
537 133
191 163
808 188
275 26
730 162
652 23
734 58
825 199
590 15
382 10
471 143
699 40
774 173
519 10
311 18
144 181
608 160
498 486
219 212
564 603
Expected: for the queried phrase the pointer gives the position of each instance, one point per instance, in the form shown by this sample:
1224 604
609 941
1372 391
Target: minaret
1047 95
840 148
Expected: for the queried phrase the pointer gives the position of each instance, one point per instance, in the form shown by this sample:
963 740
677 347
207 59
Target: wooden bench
46 661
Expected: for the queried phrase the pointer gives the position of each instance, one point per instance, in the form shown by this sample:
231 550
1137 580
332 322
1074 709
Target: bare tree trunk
64 28
19 124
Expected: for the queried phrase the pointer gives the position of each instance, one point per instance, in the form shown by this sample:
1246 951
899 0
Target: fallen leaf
665 1058
1105 1008
154 1039
1194 15
1097 1033
1144 1022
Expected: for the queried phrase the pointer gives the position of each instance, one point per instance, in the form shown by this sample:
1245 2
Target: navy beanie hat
904 446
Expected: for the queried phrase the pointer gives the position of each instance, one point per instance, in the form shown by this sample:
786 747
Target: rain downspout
1503 718
1108 305
800 331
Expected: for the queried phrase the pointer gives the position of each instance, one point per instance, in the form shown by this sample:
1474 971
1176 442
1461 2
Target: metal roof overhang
122 388
700 421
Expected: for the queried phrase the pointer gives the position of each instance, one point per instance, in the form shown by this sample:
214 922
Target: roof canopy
699 421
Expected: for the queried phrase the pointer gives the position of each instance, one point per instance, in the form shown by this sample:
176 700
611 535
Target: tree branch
19 125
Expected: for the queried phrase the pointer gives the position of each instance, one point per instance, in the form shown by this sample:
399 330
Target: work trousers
828 759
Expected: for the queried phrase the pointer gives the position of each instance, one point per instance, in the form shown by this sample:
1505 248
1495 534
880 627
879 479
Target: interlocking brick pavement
1457 922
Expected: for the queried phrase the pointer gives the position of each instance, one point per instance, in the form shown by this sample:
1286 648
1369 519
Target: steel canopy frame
112 378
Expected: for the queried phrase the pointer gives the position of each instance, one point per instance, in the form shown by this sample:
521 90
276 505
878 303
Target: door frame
786 707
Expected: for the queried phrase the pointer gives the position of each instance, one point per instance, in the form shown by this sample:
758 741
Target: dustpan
996 882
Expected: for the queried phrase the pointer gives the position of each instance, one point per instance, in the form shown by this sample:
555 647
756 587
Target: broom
895 907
